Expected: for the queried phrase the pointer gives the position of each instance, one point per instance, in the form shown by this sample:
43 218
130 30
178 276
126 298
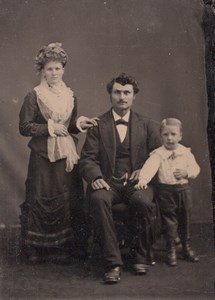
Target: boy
174 165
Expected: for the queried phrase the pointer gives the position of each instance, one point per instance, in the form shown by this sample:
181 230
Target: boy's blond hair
171 122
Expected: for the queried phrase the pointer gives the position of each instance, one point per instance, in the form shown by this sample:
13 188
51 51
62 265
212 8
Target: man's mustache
122 101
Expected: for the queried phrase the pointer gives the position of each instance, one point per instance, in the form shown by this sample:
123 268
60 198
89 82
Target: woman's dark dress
51 213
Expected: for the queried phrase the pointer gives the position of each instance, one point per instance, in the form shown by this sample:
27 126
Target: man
111 158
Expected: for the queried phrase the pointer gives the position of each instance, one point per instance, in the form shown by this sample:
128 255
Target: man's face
122 97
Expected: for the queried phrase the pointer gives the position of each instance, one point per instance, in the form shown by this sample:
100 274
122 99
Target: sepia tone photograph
107 156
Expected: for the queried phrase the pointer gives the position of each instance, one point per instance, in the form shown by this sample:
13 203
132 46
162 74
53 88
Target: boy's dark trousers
175 202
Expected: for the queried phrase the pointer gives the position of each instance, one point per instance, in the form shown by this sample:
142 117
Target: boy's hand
141 185
179 174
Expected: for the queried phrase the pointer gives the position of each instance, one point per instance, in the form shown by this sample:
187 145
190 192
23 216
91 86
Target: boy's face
171 136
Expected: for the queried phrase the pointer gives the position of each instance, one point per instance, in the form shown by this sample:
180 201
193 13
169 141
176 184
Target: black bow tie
121 122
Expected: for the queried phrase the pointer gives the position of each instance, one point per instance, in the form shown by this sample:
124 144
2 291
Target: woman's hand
60 129
87 123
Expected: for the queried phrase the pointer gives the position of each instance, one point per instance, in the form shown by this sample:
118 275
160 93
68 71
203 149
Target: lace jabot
56 104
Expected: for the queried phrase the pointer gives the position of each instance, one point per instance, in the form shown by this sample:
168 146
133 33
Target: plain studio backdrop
160 42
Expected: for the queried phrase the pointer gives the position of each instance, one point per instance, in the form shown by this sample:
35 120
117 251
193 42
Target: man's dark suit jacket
99 151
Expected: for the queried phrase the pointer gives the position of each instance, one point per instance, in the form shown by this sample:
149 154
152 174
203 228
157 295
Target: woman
54 191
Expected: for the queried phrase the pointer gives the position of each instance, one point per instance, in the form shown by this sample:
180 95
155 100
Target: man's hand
179 174
99 184
134 176
87 123
60 129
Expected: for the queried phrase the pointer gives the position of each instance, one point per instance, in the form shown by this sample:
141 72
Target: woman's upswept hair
171 121
52 52
123 79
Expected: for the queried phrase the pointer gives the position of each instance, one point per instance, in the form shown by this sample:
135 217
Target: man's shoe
140 269
112 276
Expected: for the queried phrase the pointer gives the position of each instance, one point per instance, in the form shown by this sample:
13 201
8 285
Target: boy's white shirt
164 162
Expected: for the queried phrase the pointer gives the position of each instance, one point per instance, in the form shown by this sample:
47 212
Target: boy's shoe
189 254
171 254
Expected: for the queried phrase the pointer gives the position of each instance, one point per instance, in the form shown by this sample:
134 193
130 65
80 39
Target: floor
82 279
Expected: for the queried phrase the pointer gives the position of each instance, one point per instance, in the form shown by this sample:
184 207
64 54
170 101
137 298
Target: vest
123 160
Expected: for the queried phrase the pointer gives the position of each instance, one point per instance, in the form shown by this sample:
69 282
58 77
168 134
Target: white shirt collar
165 153
117 117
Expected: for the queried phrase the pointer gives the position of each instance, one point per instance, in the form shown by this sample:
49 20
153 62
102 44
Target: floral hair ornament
56 47
52 52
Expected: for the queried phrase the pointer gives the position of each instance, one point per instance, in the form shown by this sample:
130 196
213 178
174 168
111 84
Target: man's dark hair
123 79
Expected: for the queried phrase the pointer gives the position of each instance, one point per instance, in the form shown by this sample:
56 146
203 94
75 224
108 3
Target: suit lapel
108 136
134 138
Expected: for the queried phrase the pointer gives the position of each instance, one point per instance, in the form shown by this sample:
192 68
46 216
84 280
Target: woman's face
53 72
